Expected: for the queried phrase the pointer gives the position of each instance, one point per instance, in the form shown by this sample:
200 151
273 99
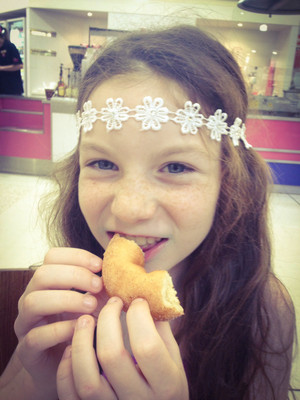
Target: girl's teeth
141 240
152 240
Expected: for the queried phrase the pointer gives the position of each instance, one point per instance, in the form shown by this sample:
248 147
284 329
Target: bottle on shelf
68 91
61 86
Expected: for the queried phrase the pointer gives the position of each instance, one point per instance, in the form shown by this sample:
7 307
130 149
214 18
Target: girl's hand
158 374
48 310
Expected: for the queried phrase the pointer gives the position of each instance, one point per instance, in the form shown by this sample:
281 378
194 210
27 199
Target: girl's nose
133 202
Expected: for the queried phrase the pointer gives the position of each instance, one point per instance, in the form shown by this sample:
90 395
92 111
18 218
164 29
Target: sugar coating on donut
124 276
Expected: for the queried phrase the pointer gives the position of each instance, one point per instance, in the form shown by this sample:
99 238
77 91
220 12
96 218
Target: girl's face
159 188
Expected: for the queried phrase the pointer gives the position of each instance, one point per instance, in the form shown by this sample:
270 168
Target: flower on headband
114 114
243 137
217 125
189 118
152 113
88 116
235 131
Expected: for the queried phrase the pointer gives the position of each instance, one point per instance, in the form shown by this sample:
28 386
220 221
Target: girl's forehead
134 87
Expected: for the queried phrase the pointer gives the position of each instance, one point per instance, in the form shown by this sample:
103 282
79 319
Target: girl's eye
177 168
104 164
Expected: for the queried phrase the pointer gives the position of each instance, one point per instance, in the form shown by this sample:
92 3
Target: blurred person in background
10 66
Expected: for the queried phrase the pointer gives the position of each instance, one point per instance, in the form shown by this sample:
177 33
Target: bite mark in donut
124 276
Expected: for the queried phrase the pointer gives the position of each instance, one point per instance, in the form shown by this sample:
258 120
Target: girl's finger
64 378
148 347
87 379
115 360
72 256
165 332
60 276
42 303
31 348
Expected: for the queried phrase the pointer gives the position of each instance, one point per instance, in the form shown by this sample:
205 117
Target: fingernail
113 300
96 282
89 301
138 300
67 352
82 322
95 263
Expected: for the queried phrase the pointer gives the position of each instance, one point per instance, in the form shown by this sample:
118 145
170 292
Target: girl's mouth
144 242
149 245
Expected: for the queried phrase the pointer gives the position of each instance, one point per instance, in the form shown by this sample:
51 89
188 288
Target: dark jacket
10 81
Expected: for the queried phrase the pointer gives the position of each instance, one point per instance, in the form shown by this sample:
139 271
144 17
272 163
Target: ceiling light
89 14
274 53
263 27
253 51
36 32
240 24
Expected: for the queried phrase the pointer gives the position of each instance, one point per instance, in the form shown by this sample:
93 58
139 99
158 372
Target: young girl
162 159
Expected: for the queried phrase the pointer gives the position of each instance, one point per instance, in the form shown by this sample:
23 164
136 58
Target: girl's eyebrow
190 150
92 147
177 150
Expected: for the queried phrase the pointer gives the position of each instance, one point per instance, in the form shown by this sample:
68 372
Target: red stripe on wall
274 134
288 157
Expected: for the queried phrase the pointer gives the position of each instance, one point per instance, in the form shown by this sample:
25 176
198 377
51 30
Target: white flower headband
152 113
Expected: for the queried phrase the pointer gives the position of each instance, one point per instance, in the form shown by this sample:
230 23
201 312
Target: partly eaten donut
124 276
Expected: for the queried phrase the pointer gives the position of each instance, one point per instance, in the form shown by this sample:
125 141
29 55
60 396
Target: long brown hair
222 289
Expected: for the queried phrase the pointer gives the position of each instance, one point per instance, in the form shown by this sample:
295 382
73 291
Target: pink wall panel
274 134
280 156
27 145
23 121
23 104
